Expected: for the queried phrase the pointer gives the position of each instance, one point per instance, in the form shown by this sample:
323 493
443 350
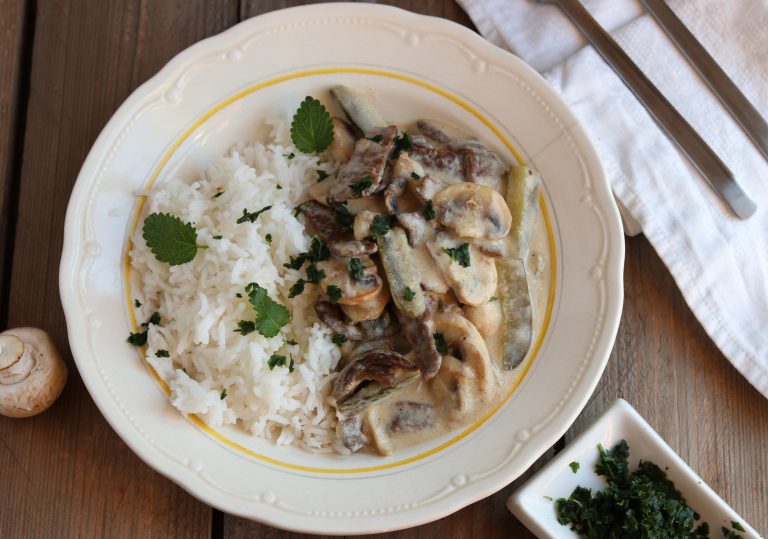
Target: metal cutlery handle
750 119
667 117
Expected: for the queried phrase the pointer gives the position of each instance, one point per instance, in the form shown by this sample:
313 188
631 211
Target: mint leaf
270 315
311 127
169 238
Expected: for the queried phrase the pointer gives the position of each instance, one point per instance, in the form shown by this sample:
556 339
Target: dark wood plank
665 365
12 30
65 473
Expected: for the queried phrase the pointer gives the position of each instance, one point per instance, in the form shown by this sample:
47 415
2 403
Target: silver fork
717 174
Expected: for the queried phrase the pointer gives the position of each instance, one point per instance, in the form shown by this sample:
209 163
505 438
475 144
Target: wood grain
12 30
65 473
665 365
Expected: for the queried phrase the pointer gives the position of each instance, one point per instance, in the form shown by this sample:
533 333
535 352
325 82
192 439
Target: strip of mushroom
343 143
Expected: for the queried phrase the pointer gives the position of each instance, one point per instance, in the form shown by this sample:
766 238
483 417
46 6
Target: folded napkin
719 262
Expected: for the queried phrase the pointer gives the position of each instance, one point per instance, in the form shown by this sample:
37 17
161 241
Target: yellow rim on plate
308 73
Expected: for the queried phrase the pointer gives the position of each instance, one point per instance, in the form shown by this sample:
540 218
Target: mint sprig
311 128
170 239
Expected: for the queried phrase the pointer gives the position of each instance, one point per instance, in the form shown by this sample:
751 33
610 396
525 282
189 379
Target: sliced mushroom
492 248
362 174
369 378
454 384
362 226
399 266
352 248
466 343
32 373
343 143
359 107
418 228
350 432
474 284
368 310
353 291
473 211
431 277
486 317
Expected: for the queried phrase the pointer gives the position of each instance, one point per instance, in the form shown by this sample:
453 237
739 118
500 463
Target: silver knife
719 177
748 117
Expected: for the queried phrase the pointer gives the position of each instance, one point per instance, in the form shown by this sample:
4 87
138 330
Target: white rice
200 310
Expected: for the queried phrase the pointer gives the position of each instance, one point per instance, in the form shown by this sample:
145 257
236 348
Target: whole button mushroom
32 373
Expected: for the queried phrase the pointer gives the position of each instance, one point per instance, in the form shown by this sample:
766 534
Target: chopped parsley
362 185
289 156
334 293
311 127
270 315
291 342
315 275
415 176
278 186
296 289
140 339
136 303
376 138
217 237
737 526
170 239
344 217
268 238
238 295
296 263
250 217
440 343
574 466
638 504
321 175
223 394
162 353
356 269
380 225
459 254
338 339
318 250
408 294
276 361
429 210
217 195
291 364
244 327
403 143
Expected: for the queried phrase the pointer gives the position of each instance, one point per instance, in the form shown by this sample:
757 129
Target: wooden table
65 66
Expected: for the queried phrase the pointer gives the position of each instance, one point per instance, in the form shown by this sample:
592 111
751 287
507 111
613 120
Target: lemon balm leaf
311 128
270 315
170 239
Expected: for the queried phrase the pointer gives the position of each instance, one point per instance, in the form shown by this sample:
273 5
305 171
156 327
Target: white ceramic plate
532 503
217 93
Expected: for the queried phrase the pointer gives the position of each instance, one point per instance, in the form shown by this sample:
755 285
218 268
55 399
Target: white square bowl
534 505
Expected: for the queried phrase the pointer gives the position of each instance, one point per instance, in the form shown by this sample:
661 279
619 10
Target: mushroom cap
25 396
472 210
11 349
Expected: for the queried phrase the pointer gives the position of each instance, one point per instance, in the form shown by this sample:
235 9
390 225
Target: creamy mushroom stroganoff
349 285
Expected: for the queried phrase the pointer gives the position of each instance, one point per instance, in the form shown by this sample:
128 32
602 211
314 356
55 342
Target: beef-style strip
322 221
418 331
362 174
333 317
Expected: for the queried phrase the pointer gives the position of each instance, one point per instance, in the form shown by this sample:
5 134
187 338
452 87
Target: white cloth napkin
719 262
